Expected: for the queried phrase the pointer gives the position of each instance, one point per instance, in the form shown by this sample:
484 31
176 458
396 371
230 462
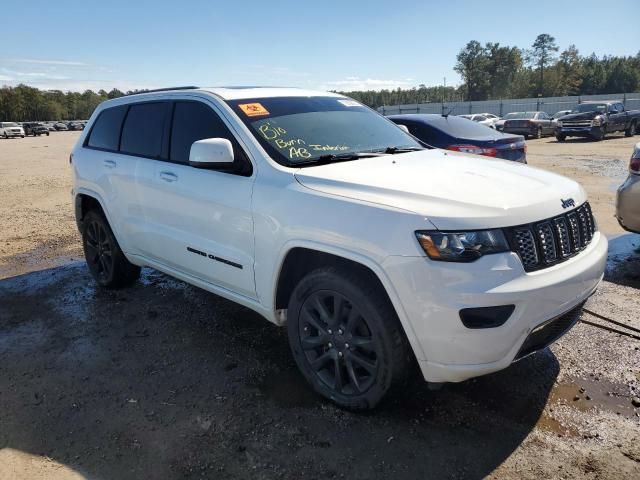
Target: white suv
319 213
11 129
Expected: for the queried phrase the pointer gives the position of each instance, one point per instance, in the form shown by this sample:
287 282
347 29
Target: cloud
34 61
4 78
31 75
357 83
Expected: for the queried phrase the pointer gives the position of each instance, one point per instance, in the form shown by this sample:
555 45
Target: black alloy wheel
98 250
346 338
107 264
338 343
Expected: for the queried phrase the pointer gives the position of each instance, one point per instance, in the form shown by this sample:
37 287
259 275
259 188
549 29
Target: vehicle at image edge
595 119
35 129
529 124
324 216
462 135
628 196
11 129
481 119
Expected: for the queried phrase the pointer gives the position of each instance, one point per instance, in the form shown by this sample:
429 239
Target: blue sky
75 45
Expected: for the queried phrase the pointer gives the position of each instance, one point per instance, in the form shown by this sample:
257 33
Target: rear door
101 167
199 221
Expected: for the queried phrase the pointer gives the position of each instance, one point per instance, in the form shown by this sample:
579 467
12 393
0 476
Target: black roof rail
167 89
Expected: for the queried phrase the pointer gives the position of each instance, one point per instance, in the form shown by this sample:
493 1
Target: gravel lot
164 380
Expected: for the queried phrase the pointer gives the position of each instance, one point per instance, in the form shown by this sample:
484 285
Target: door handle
168 176
109 163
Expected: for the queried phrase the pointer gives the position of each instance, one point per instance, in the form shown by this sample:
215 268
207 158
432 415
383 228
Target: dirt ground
163 380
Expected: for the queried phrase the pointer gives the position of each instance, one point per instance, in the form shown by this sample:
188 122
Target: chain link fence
549 105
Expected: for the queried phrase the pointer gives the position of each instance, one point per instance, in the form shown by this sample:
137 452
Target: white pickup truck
320 214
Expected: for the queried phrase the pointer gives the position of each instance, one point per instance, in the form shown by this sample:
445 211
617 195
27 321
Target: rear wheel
107 264
346 338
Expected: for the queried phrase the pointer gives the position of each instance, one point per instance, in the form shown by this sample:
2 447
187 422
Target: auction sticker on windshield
253 109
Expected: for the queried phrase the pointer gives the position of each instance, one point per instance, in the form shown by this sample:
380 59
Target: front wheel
107 264
539 132
560 137
346 338
631 131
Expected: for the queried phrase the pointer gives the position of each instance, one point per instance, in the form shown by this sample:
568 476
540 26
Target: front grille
547 333
554 240
576 123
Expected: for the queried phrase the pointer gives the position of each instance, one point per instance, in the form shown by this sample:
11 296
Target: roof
601 101
237 93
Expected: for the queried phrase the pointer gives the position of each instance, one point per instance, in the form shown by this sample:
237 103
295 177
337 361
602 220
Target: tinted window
143 128
106 130
459 127
193 121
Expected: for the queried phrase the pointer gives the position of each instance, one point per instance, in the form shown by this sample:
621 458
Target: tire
107 264
346 338
22 136
631 131
561 138
47 134
539 132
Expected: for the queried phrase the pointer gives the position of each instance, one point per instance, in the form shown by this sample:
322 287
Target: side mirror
403 127
210 153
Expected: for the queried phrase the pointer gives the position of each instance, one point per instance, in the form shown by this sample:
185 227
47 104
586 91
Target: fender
357 258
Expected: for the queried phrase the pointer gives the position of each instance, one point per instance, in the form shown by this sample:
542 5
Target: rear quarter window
143 129
105 133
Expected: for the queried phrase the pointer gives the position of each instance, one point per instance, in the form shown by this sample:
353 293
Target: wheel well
300 261
84 204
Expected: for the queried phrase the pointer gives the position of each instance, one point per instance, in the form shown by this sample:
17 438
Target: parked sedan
11 129
481 118
529 124
463 135
61 126
628 196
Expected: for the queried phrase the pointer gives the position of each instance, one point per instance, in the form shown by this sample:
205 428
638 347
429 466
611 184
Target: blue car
463 135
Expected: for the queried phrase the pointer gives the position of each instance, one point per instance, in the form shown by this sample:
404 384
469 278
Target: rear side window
105 133
193 121
143 129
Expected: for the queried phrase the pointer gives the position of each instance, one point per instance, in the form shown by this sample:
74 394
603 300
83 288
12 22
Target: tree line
493 71
24 103
489 72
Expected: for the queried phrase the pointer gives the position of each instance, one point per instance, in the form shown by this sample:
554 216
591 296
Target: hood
454 191
581 116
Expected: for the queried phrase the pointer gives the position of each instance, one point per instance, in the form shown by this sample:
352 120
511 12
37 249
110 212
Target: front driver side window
193 121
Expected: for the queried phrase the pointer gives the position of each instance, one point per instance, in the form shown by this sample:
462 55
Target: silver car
628 198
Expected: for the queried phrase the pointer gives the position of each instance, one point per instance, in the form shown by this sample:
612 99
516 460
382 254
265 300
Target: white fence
501 107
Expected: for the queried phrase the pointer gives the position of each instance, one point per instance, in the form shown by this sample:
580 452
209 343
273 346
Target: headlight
597 121
559 123
462 246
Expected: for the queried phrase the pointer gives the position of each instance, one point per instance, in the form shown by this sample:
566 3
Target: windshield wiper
392 150
333 158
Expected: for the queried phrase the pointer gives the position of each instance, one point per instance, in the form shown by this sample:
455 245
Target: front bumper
578 131
432 295
628 204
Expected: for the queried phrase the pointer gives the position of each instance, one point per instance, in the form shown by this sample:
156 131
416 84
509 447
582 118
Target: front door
199 221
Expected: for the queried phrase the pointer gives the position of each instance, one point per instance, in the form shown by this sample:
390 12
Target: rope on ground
610 329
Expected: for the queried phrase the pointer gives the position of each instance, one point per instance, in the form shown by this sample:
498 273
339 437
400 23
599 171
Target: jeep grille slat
554 240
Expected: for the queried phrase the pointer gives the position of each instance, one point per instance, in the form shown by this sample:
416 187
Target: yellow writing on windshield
270 132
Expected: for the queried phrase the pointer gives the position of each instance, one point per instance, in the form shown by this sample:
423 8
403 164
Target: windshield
511 116
590 107
11 124
299 130
561 113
